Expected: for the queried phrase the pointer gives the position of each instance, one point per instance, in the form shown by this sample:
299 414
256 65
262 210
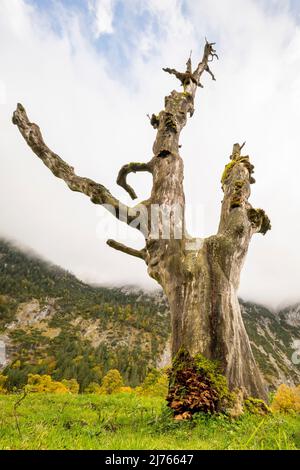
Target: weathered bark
199 277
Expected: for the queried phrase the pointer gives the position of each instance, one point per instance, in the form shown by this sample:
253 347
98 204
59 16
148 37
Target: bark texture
199 277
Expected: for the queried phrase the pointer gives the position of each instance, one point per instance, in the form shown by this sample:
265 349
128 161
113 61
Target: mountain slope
53 323
50 322
274 340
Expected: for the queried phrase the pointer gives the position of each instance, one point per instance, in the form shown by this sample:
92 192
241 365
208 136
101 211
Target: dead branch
95 191
126 249
131 168
190 80
16 405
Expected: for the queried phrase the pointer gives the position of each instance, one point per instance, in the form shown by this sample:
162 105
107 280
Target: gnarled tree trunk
200 277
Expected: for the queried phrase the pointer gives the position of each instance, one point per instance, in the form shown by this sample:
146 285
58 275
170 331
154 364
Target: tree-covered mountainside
52 323
274 338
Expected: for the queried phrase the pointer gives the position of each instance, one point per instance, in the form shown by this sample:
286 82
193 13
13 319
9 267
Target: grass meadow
132 422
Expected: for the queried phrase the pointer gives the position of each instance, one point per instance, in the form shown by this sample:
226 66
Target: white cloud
98 122
104 14
2 92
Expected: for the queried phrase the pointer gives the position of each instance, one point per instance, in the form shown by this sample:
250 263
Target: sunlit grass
128 421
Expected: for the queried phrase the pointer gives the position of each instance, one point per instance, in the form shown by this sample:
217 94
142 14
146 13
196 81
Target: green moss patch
227 171
256 406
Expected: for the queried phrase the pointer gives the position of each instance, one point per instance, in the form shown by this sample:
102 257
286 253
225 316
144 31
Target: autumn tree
200 277
43 383
112 382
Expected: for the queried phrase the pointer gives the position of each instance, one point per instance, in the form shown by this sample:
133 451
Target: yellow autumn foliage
72 385
93 387
112 382
286 399
3 380
43 383
16 364
126 390
155 384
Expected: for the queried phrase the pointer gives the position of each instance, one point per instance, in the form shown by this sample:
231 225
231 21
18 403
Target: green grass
127 421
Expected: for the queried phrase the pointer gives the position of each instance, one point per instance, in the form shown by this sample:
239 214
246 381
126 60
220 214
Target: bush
155 384
3 379
112 382
286 399
16 364
256 406
72 385
93 387
126 390
43 383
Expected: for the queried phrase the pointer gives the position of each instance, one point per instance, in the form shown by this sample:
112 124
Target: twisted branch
208 56
131 168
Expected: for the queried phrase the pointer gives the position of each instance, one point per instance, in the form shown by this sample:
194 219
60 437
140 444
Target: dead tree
200 277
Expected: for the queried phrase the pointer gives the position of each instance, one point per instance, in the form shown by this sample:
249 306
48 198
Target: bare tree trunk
199 277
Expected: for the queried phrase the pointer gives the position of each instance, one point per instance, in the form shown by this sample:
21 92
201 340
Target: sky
89 72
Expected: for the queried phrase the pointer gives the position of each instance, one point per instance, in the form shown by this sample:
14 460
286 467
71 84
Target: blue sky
127 22
130 19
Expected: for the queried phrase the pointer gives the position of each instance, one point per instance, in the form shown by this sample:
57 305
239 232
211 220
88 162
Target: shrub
93 387
155 384
286 399
3 379
256 406
72 385
112 382
43 383
126 390
16 364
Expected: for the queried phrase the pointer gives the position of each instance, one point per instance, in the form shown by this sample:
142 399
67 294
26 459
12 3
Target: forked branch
184 77
191 79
